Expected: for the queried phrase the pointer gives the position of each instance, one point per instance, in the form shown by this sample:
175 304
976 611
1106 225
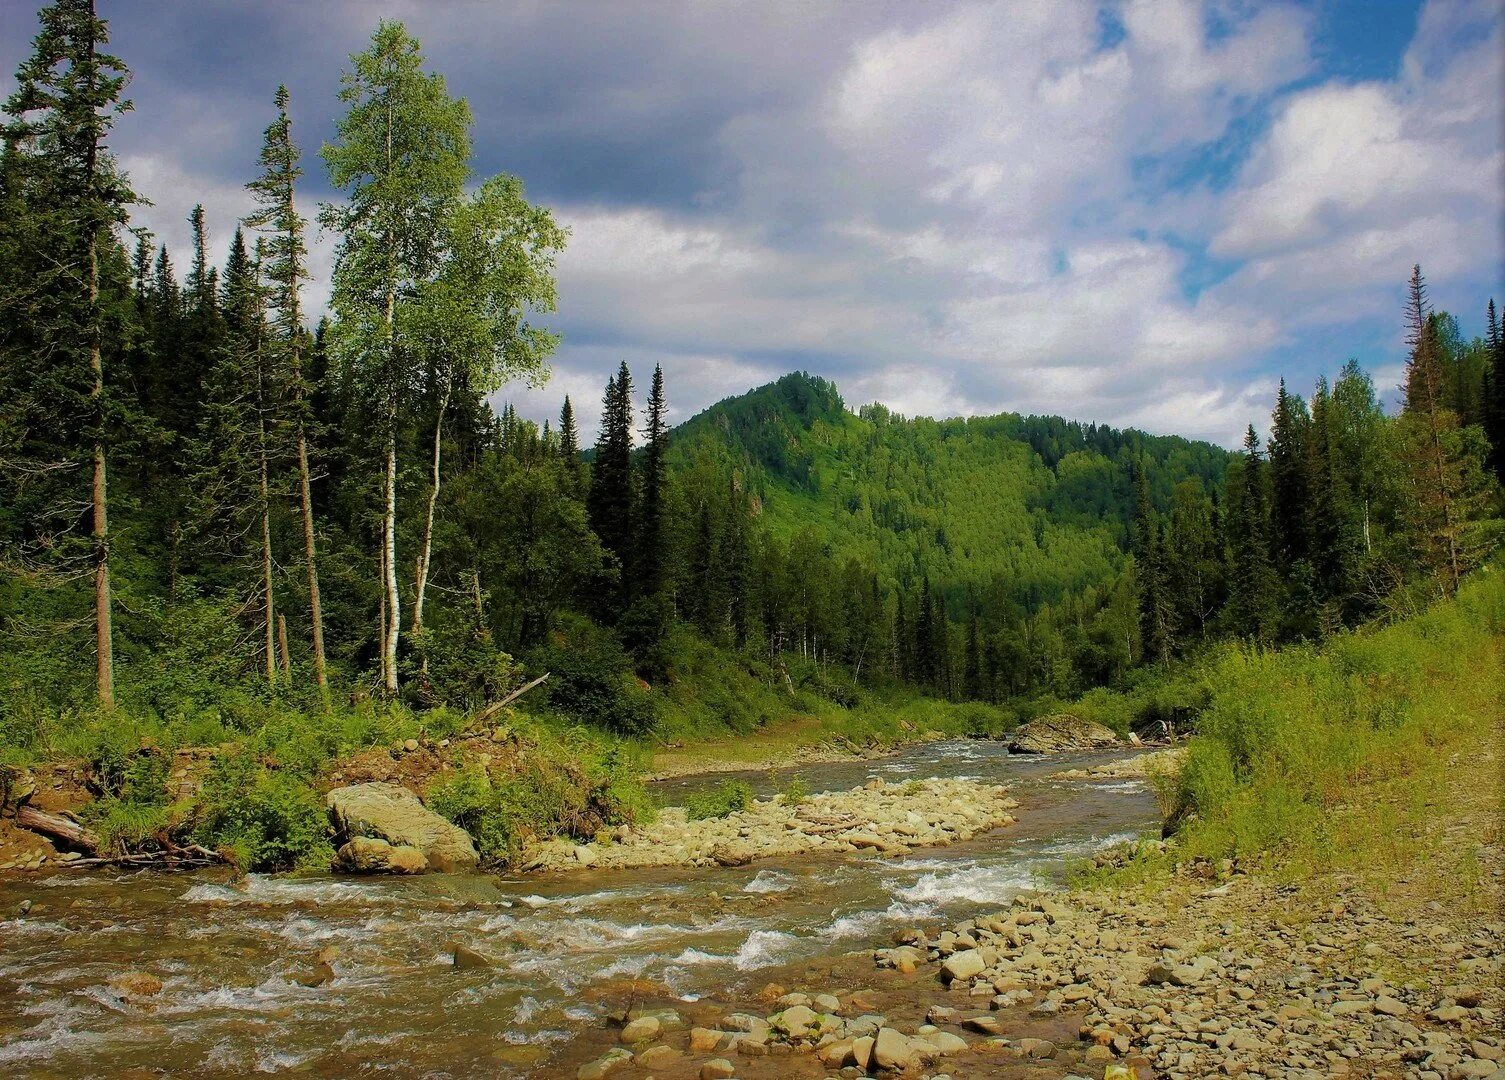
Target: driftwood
57 828
497 706
68 833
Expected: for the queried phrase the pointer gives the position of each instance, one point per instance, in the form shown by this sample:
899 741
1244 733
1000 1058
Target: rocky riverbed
880 816
1222 983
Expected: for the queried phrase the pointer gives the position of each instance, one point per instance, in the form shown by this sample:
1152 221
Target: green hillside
1038 507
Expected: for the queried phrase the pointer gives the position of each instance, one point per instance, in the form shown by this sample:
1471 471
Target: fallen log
57 829
497 706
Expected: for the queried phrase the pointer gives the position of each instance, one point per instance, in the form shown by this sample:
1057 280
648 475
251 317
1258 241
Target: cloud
1134 211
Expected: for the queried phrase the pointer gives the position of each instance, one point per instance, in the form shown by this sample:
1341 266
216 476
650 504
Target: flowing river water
233 957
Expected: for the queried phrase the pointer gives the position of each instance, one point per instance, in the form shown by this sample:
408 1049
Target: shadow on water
235 957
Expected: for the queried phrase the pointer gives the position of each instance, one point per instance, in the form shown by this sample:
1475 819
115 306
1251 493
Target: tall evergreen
611 502
67 98
1251 579
1291 500
1494 391
1156 632
285 269
652 537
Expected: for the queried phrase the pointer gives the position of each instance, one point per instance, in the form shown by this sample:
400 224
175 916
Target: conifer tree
1155 630
1494 391
1443 462
285 269
1290 510
401 153
652 536
1251 579
611 502
67 97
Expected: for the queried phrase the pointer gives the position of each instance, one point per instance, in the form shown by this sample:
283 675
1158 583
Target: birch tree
400 154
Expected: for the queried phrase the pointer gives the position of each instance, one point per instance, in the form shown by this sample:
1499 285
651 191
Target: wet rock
135 984
891 1050
366 855
318 975
704 1040
717 1069
658 1057
983 1025
392 813
733 853
643 1029
947 1044
468 959
862 1052
1050 734
963 965
795 1022
1038 1048
604 1065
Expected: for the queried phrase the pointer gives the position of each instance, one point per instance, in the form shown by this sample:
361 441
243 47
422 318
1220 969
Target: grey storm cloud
950 207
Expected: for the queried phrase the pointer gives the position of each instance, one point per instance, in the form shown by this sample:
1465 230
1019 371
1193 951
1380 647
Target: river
571 948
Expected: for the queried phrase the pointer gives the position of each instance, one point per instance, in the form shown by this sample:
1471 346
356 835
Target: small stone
658 1057
604 1065
717 1069
983 1025
963 965
1038 1048
946 1043
641 1030
891 1050
704 1040
468 959
410 745
1390 1006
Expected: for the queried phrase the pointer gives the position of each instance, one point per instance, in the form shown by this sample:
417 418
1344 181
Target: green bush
264 819
730 797
591 678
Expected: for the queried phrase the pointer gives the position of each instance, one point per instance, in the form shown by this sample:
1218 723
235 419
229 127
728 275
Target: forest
218 505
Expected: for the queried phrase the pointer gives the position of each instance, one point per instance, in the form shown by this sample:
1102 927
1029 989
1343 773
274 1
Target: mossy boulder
1062 731
393 814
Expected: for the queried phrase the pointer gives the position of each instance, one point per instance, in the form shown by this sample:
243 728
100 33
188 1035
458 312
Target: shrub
263 819
730 797
591 678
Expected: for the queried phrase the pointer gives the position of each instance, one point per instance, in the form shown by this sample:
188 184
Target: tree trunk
389 557
315 608
57 828
104 641
269 602
426 546
287 663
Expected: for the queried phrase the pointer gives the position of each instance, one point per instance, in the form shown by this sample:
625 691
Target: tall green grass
1290 734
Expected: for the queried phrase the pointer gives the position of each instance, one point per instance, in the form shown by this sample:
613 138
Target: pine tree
1251 579
1494 391
652 537
285 270
611 502
1156 632
401 153
67 96
569 440
1290 510
1443 462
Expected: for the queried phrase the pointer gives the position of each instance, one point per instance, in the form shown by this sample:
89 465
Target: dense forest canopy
208 496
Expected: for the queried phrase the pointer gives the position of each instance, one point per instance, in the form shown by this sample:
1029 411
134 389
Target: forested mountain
208 499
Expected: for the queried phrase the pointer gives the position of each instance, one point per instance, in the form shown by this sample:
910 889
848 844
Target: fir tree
67 97
275 192
1251 580
611 502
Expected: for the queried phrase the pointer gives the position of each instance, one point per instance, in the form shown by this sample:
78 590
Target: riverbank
888 819
1386 962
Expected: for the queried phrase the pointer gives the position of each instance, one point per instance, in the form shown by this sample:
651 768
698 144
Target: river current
234 957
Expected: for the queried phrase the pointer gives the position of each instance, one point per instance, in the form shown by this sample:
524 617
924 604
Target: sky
1138 212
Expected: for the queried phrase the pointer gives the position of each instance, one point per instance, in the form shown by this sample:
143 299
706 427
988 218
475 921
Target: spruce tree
611 502
1443 462
1494 391
285 269
1251 579
1156 632
67 97
652 536
1289 458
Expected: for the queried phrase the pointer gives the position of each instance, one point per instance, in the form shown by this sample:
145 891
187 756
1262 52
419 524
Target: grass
1333 759
729 798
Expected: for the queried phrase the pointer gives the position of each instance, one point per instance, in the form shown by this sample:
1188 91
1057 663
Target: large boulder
1050 734
393 814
